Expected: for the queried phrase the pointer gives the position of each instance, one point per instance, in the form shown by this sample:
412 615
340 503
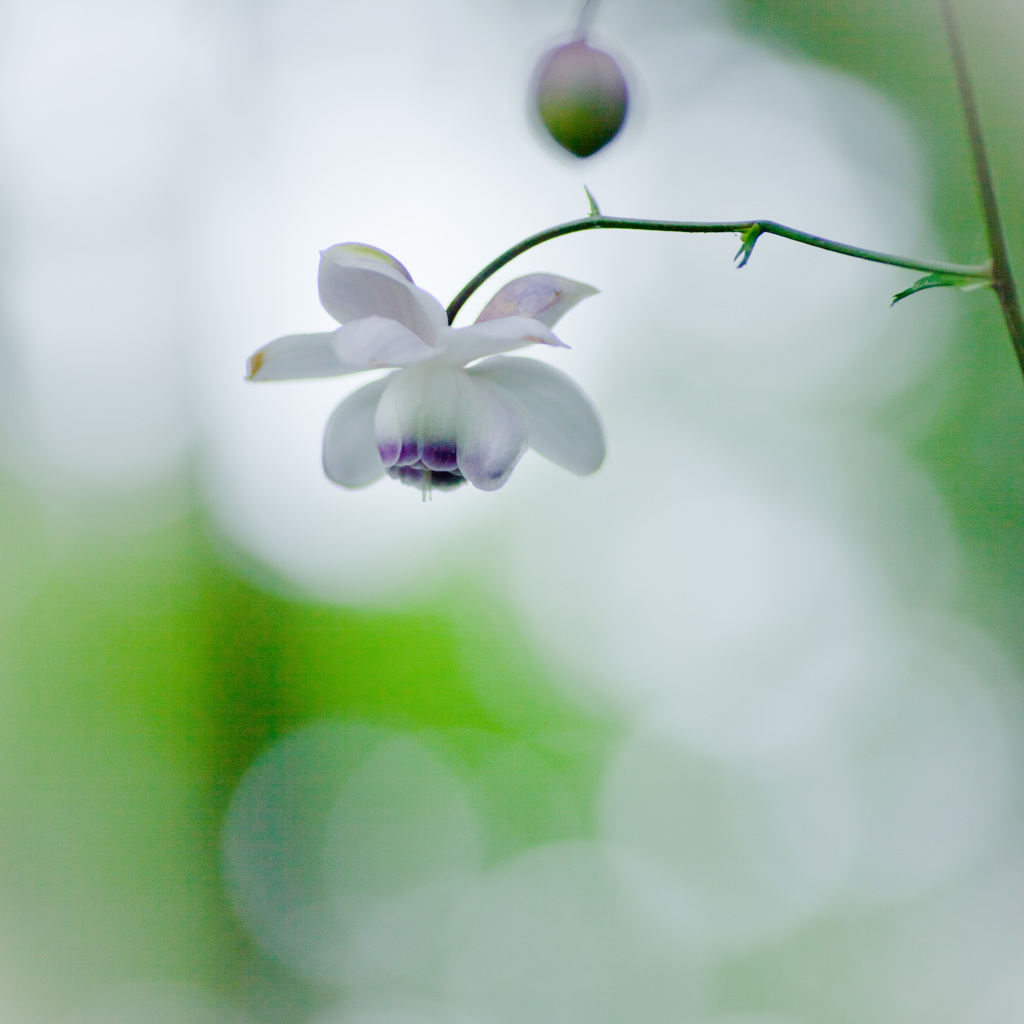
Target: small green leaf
942 280
749 237
595 210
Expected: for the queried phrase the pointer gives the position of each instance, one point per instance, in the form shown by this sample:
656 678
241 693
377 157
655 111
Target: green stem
1002 276
748 229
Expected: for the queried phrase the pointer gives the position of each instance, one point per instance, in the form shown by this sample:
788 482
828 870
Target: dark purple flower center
426 479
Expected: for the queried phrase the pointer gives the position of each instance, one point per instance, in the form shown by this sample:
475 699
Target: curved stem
584 21
750 230
1002 276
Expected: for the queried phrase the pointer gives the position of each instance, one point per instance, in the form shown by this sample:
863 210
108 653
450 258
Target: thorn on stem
942 280
595 210
748 238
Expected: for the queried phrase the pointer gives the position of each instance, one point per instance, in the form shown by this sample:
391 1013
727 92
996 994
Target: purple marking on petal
388 452
525 296
440 455
410 452
543 297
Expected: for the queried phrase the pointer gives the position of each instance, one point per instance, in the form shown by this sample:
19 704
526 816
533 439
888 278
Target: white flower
438 421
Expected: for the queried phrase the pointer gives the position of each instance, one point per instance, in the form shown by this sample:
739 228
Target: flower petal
564 425
357 281
297 356
376 341
464 344
350 447
437 417
369 257
418 415
492 432
544 297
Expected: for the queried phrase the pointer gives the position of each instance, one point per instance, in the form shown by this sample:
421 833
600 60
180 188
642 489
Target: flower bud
581 96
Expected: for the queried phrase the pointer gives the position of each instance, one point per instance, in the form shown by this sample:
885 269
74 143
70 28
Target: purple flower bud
581 97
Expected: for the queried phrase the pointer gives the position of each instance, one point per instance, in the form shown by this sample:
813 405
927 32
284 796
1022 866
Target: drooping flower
454 409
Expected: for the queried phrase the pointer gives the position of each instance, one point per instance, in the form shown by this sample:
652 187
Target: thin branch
1002 276
749 231
584 21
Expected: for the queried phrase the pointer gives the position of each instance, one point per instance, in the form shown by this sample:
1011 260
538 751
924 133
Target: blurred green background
151 650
